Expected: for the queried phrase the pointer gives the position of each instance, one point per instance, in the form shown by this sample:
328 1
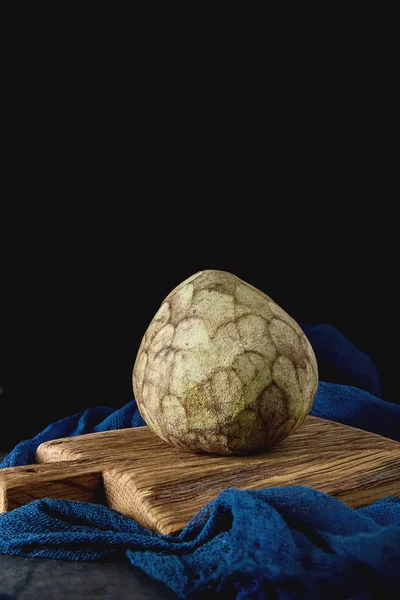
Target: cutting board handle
76 480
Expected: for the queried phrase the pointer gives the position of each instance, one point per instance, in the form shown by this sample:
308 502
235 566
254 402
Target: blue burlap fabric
276 543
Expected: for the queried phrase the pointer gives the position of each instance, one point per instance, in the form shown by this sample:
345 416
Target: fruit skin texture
223 369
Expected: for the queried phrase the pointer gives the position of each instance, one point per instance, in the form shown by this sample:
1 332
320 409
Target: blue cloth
290 542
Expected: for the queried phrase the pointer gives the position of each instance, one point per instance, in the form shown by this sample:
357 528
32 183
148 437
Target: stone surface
223 369
44 579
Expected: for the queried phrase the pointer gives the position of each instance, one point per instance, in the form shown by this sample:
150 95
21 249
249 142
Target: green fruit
223 369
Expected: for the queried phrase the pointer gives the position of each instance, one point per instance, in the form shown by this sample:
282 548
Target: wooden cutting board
139 475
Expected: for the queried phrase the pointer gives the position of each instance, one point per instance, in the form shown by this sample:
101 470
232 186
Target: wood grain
162 487
77 480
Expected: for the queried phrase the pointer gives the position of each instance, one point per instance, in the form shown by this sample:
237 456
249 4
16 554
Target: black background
116 190
78 299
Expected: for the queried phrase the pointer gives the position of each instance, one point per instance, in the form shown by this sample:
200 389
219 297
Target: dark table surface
43 579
